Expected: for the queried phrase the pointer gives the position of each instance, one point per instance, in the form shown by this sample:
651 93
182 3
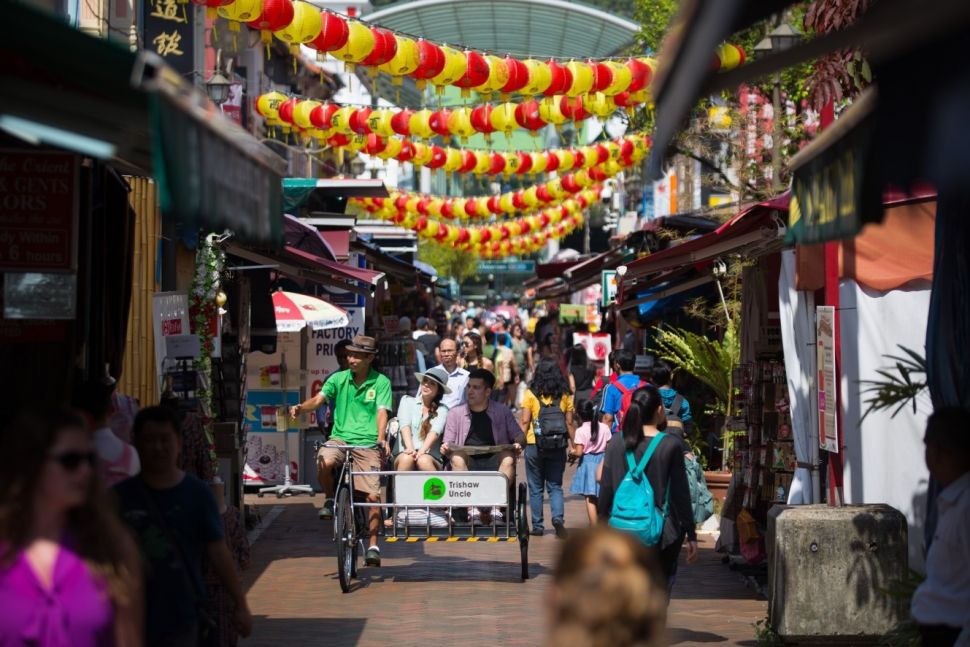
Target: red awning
556 268
369 277
754 231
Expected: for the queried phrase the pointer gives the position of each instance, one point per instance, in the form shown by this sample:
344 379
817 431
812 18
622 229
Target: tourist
177 524
665 471
117 459
581 374
626 382
504 362
421 421
522 352
69 572
588 446
607 591
428 339
940 603
661 375
361 399
547 420
457 376
472 356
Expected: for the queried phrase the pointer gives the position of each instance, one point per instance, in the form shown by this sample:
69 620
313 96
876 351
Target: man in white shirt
457 376
941 604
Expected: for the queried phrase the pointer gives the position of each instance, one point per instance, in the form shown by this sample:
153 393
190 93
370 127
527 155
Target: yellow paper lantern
590 156
539 162
452 235
268 105
420 124
554 187
582 78
305 26
240 11
406 59
505 203
611 168
582 179
393 148
357 142
340 120
530 196
622 77
498 75
600 105
458 208
481 208
729 55
455 66
301 114
482 163
422 154
411 206
540 77
379 121
431 230
514 228
550 111
566 160
452 160
360 43
460 122
503 118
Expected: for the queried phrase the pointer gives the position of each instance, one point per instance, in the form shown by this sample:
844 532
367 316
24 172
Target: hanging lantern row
296 22
523 235
335 124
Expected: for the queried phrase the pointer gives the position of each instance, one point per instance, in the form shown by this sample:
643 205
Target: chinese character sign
169 32
827 399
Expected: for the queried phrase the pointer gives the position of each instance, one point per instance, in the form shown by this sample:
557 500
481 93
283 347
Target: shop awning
64 88
556 268
300 235
757 230
401 270
327 195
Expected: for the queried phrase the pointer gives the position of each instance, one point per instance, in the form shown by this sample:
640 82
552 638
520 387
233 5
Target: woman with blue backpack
643 483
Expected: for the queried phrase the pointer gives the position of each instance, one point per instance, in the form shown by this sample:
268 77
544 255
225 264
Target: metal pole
776 135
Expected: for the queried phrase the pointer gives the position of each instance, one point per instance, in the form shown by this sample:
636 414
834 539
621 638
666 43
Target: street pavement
449 593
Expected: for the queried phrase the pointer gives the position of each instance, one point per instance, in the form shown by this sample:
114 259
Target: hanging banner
827 397
597 345
169 32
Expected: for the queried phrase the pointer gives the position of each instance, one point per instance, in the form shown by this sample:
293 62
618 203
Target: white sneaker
497 513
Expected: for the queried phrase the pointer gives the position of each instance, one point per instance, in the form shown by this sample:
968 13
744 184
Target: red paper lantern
439 122
399 123
446 209
640 75
597 174
471 207
518 75
276 15
569 183
438 157
482 119
603 152
517 201
286 111
505 232
468 161
543 193
525 163
602 76
375 144
526 227
320 116
527 115
358 121
431 61
623 99
421 224
544 219
463 236
496 164
476 71
442 232
333 35
401 203
407 152
573 108
626 149
486 235
422 206
562 78
385 47
493 204
580 158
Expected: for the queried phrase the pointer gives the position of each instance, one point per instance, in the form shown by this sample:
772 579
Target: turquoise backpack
634 506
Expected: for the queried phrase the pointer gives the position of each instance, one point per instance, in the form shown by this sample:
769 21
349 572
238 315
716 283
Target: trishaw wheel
522 526
344 532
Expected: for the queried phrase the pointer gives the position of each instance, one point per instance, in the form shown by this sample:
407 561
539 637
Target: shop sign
609 287
572 313
447 489
828 197
38 211
826 384
506 267
170 33
321 349
170 316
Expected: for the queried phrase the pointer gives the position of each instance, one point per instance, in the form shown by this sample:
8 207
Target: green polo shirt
355 407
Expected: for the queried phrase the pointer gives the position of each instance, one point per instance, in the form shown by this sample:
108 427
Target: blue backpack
634 507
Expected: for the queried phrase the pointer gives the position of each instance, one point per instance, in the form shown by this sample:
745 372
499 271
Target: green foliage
654 17
449 262
765 634
897 390
710 361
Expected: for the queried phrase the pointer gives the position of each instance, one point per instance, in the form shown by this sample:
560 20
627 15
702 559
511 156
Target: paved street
461 593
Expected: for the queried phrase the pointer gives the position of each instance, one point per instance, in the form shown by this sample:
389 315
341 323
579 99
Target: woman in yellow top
549 431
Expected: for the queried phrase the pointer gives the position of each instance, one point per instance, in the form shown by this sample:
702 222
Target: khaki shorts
365 460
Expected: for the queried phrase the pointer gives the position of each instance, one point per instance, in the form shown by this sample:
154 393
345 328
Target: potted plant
712 362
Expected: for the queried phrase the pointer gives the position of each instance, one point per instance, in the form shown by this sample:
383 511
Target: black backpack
550 426
674 424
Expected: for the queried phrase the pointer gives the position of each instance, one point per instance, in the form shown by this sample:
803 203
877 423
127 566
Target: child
589 445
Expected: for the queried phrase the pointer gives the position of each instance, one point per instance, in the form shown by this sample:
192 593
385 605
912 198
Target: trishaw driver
361 399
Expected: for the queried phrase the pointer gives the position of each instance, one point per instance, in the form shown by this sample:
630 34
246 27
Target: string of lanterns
296 23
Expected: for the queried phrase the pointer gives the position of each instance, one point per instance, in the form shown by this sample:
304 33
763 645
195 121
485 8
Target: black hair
343 343
160 414
94 398
577 355
642 411
661 373
587 413
948 429
548 380
489 337
626 360
484 375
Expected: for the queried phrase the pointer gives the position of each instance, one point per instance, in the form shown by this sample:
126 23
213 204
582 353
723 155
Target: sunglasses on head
70 461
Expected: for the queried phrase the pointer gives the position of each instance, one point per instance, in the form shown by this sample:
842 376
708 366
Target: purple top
505 429
74 612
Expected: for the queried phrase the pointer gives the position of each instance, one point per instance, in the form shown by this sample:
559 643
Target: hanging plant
203 312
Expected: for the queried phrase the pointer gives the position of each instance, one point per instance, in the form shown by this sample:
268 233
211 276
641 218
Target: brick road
460 593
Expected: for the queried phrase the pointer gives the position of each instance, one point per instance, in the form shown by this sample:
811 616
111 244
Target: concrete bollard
828 568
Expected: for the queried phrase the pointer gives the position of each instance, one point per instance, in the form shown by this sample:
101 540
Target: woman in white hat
422 421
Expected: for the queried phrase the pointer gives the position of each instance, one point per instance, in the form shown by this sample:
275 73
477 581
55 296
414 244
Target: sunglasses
70 461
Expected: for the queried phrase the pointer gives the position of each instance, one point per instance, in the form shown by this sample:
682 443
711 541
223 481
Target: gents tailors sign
169 30
38 211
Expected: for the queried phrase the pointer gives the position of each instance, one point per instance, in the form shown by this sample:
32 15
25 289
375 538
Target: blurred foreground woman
608 591
69 572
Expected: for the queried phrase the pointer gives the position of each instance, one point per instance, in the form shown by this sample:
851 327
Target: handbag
208 625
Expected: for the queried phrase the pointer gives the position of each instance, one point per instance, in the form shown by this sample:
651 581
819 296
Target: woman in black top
581 375
643 420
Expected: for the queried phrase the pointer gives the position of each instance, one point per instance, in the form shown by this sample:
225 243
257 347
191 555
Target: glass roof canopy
522 28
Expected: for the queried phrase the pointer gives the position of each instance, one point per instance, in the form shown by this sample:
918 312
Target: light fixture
783 37
763 46
621 270
217 87
357 166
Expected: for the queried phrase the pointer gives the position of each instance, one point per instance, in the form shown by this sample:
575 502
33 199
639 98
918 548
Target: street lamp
217 87
779 39
357 167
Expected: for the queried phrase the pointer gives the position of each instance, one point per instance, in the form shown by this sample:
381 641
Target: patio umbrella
297 311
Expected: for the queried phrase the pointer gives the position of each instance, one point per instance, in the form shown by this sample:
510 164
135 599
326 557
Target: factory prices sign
38 211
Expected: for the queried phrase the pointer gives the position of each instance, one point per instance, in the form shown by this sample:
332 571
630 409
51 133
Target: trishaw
426 507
